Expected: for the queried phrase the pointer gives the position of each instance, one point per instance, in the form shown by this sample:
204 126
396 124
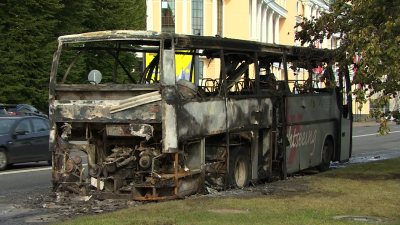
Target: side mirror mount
20 132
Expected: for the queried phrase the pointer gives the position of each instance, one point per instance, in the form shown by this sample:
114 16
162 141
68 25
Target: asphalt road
28 177
366 144
25 177
25 182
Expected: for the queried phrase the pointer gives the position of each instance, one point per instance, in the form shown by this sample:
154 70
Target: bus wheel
327 152
239 167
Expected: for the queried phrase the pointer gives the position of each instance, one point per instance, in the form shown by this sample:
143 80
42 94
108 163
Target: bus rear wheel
327 153
239 167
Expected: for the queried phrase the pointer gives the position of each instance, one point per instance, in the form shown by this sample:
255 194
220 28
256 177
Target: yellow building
269 21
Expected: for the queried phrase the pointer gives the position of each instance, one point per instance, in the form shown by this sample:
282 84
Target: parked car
23 139
3 112
21 109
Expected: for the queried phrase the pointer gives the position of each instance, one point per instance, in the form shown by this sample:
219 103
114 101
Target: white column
307 13
204 19
298 20
312 12
276 31
315 11
307 9
264 24
254 19
258 28
214 18
326 41
185 18
270 27
160 18
149 20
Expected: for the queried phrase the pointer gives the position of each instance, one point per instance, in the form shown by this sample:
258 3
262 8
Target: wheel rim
3 159
240 173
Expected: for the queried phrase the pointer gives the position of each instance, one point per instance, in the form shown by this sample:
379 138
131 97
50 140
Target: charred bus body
157 138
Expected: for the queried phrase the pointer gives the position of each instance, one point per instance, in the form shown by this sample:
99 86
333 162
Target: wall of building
248 20
236 19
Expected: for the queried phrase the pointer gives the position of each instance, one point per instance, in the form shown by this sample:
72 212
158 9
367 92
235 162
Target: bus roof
181 41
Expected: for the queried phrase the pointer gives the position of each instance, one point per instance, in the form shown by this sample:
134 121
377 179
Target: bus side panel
305 149
199 119
310 118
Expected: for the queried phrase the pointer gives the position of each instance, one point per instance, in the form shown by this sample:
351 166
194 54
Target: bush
396 115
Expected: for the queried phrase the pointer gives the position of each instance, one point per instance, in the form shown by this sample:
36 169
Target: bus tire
239 167
327 153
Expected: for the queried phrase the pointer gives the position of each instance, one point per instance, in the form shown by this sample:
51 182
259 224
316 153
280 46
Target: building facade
269 21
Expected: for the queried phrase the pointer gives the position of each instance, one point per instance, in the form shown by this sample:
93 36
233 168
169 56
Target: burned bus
151 136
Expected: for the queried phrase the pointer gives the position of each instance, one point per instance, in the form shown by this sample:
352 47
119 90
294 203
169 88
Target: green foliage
29 31
105 15
111 14
72 16
369 29
26 31
396 115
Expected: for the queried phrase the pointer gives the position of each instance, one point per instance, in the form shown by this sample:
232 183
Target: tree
370 31
26 30
72 17
110 14
106 15
29 31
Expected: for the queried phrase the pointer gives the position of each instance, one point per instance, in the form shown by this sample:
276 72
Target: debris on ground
67 206
211 190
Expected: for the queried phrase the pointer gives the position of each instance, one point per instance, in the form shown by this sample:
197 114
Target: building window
168 16
197 17
201 67
298 8
219 17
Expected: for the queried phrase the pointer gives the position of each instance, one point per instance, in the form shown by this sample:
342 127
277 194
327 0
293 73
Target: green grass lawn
370 189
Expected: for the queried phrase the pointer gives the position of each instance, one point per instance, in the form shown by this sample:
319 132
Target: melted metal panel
202 118
209 117
246 112
99 111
